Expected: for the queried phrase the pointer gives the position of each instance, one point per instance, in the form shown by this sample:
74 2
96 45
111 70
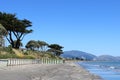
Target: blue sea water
106 70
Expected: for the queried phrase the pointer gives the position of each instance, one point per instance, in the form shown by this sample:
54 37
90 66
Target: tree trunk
17 44
12 42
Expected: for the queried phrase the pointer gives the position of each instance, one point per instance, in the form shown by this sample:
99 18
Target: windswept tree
37 45
3 32
56 49
15 27
42 45
32 45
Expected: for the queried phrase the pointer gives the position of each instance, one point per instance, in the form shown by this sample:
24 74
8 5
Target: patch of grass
5 56
9 52
29 57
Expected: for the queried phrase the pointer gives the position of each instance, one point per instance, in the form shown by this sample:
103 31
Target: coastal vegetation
3 32
15 29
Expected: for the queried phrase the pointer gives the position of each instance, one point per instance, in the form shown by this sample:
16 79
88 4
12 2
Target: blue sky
92 26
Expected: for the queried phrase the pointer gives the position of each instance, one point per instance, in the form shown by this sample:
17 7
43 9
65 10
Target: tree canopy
32 45
15 27
36 45
3 31
56 49
42 45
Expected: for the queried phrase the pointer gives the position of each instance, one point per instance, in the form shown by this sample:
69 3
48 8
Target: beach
66 71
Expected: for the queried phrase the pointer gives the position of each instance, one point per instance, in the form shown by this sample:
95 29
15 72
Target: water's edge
106 70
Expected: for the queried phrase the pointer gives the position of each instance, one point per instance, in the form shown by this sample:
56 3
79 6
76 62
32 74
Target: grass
9 52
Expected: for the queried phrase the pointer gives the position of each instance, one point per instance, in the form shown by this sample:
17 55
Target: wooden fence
13 62
51 61
3 62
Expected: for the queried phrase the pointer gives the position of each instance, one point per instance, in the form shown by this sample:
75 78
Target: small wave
112 67
115 67
97 65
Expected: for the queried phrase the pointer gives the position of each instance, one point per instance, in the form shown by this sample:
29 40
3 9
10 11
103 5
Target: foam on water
107 70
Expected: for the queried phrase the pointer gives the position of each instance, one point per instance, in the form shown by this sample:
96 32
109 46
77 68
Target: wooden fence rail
13 62
3 62
51 61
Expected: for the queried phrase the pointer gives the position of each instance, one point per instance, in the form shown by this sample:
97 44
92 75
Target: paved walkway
46 72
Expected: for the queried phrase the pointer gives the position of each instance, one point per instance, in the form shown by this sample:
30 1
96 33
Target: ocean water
106 70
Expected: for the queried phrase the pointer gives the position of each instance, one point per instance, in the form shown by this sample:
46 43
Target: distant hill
107 58
78 54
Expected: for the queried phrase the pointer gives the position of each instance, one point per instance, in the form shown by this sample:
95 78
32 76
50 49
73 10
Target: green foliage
36 45
3 31
7 49
26 53
9 53
55 46
6 52
42 45
32 45
15 27
56 49
29 57
50 55
5 56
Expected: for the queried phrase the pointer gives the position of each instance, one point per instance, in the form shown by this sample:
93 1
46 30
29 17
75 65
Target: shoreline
66 71
85 73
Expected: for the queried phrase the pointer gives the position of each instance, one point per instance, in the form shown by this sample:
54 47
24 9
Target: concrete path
67 71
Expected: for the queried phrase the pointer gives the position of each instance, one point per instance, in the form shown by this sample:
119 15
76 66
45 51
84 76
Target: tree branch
15 34
8 39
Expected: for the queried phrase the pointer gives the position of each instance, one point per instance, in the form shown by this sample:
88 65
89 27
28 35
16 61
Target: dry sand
66 71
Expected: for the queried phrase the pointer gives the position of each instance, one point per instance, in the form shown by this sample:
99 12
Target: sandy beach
66 71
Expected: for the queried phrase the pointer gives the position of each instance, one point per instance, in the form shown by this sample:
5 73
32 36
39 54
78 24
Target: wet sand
66 71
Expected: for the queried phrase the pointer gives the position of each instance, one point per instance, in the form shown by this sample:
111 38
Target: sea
107 70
